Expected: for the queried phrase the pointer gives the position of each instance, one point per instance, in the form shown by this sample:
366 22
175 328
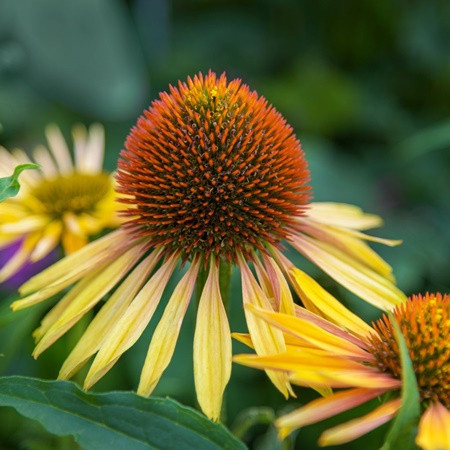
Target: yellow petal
72 242
266 339
310 332
358 427
280 286
212 348
434 428
48 241
26 225
166 333
311 292
20 257
95 148
352 243
102 324
90 255
55 313
342 215
131 325
323 408
59 149
356 277
88 298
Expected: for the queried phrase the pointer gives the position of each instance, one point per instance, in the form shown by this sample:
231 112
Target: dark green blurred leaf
431 139
404 427
9 186
119 420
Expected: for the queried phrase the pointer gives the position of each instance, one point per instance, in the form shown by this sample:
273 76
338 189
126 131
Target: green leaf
404 427
118 420
9 186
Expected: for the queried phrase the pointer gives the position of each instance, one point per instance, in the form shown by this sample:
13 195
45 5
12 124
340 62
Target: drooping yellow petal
323 408
353 429
434 428
311 333
311 292
351 243
131 325
342 215
102 324
212 347
356 277
88 298
64 268
266 339
55 313
166 333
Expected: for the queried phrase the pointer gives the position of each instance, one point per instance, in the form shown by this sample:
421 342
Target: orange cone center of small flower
75 193
425 325
212 168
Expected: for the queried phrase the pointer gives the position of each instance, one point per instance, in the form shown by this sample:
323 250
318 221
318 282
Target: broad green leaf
114 420
404 427
9 186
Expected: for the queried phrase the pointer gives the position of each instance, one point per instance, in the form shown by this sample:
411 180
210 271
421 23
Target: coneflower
212 175
65 202
347 353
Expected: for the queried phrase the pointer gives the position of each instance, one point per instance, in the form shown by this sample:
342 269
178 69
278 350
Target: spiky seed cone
212 168
425 325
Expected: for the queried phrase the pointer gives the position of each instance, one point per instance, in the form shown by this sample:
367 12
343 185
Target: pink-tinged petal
283 293
323 408
311 333
434 428
330 308
165 337
303 313
268 283
266 339
349 272
301 360
363 376
212 347
358 427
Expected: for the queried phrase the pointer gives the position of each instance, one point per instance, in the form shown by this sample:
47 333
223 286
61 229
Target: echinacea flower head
210 175
64 202
366 361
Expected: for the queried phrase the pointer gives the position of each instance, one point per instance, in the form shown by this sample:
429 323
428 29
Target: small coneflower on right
366 361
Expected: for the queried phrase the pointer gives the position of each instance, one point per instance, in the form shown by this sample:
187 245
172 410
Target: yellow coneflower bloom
366 361
65 202
212 174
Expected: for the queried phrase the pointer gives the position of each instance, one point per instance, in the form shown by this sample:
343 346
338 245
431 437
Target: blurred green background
365 84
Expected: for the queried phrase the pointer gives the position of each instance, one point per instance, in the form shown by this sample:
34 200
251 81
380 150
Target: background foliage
366 86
